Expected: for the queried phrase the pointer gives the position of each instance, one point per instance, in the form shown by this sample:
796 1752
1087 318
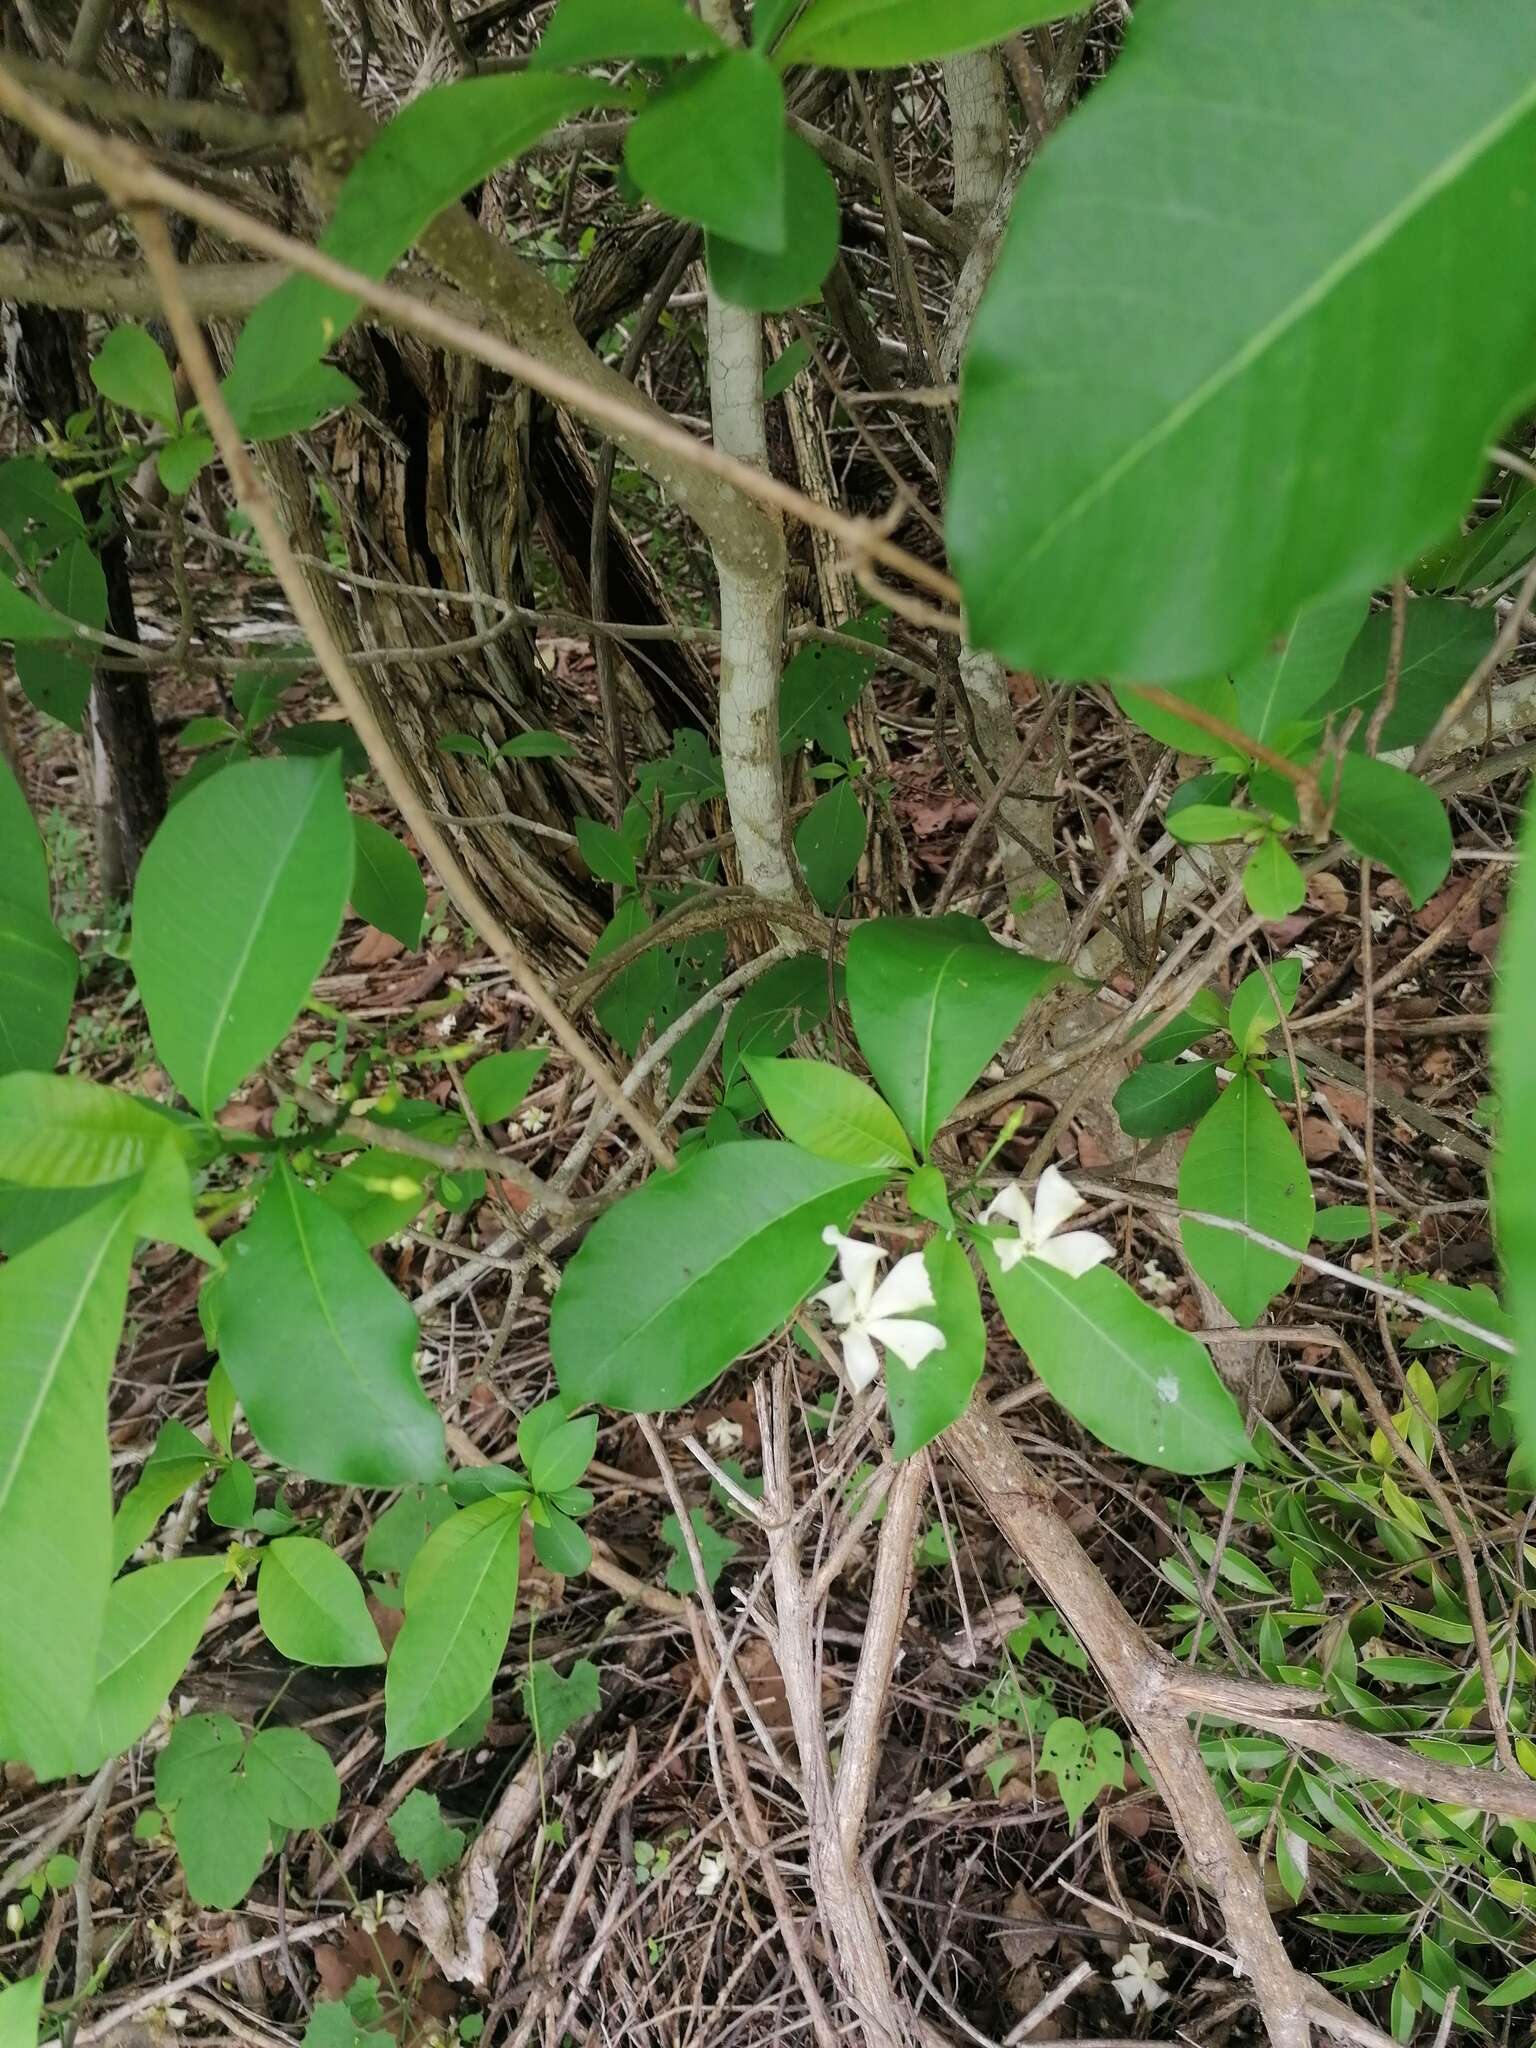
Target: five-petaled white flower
1074 1252
868 1314
1137 1977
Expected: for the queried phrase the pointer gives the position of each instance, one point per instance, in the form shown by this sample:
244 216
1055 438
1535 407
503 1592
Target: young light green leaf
1083 1765
554 1704
223 1837
774 284
1163 525
177 1461
598 31
433 151
387 888
1242 1162
58 1131
560 1543
673 151
182 461
1158 1099
320 1347
1273 885
497 1084
312 1607
21 2006
878 35
293 1778
154 1619
1392 817
1209 824
1285 682
927 1196
1254 1010
459 1601
924 1400
61 1310
1141 1385
130 369
932 1000
424 1838
833 1114
563 1454
693 1269
38 972
829 844
237 904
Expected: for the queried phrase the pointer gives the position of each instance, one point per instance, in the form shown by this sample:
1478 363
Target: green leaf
786 367
833 1114
176 1462
318 737
36 512
627 1005
459 1601
928 1196
319 1347
433 151
1254 1011
202 1752
1167 522
715 1551
257 692
1514 1989
535 746
396 1537
154 1619
821 685
1347 1222
23 858
1514 1185
61 1310
58 1131
497 1084
882 34
553 1704
301 404
293 1778
56 679
775 283
1272 883
223 1838
689 774
538 1425
829 844
312 1607
563 1454
237 905
606 853
1139 1383
180 462
378 1192
1392 817
933 999
924 1400
1285 682
130 369
561 1544
1177 1033
206 732
595 31
776 1010
1243 1162
387 888
423 1837
38 972
1442 643
1083 1765
710 148
694 1268
1208 824
21 2006
1157 1100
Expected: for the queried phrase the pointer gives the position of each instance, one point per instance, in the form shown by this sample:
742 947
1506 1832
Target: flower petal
1076 1252
910 1339
1055 1200
1008 1251
838 1301
1013 1203
857 1261
861 1361
906 1286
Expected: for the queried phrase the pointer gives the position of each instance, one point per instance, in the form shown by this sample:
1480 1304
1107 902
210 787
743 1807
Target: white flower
713 1865
1074 1253
602 1766
1157 1283
724 1436
868 1314
1138 1978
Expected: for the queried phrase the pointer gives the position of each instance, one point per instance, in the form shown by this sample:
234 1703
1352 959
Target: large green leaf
387 888
1394 818
22 618
58 1131
1285 682
448 139
238 902
130 369
319 1347
312 1607
293 1777
61 1309
693 1269
1302 410
1140 1384
876 34
1242 1162
459 1599
1442 643
932 1000
56 679
710 148
21 2006
1514 1184
594 31
23 859
1158 1099
223 1837
154 1618
38 972
773 284
833 1114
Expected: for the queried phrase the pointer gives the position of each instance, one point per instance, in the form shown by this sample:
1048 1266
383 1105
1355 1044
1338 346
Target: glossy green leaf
459 1601
497 1084
881 34
1158 1099
1242 1162
293 1778
1514 1185
379 1193
1273 885
1292 432
311 1605
833 1114
1442 643
1205 1014
154 1619
130 369
58 679
61 1311
320 1347
694 1268
58 1131
21 2006
38 972
387 886
23 858
223 1838
563 1454
1260 1001
553 1705
237 905
423 1837
177 1461
820 686
596 31
678 153
1208 824
1287 681
1392 817
829 844
560 1543
1140 1384
924 1400
774 284
933 999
